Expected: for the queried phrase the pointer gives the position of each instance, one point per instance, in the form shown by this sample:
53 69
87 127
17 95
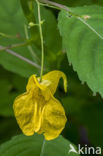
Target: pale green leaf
23 146
12 23
10 87
84 46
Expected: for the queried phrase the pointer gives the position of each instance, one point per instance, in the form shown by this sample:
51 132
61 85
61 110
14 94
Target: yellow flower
37 110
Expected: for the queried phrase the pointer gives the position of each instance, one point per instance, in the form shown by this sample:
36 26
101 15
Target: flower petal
27 112
53 119
33 82
38 87
54 77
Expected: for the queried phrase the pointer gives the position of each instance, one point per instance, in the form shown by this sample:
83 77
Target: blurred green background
84 110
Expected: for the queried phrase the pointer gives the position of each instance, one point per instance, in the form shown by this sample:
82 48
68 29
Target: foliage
84 46
23 145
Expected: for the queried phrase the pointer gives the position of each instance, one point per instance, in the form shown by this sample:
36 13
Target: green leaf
83 46
90 118
28 9
12 23
51 36
52 39
51 43
6 98
23 146
8 128
76 3
10 87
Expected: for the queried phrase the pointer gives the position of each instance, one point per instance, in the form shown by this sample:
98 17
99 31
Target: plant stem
14 46
7 36
42 149
33 54
17 36
57 5
20 57
41 37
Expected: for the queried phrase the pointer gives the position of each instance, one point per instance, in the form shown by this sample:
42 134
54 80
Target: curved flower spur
37 110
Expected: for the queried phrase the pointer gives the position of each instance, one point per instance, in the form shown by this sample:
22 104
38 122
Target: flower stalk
41 37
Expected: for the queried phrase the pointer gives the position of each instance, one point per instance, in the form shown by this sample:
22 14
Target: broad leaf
12 23
76 3
83 46
10 87
8 128
23 146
